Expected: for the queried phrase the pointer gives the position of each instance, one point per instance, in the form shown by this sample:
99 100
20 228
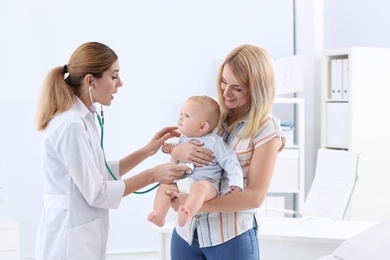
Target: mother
227 226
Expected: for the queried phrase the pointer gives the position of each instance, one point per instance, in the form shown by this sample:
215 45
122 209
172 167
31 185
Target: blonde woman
226 227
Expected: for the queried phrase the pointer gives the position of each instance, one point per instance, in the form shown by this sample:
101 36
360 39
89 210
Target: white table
290 238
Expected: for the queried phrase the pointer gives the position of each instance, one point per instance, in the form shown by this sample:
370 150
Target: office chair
334 181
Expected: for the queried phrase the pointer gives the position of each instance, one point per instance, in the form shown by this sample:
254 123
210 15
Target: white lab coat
77 189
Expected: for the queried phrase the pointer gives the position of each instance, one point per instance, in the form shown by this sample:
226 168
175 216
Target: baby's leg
162 203
200 191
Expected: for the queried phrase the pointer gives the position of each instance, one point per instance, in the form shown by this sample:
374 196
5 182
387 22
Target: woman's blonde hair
58 93
253 69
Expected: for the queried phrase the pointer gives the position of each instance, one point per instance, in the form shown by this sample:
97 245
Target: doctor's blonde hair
59 92
253 69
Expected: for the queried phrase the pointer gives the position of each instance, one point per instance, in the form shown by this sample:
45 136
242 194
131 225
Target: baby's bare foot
183 215
156 219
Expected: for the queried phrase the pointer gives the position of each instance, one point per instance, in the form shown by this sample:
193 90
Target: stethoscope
101 123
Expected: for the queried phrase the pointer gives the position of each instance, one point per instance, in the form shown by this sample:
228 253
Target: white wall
356 23
168 51
309 43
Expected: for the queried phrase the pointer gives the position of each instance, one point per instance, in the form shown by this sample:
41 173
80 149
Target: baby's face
191 118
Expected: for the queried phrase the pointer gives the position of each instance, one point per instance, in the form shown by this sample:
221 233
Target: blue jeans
244 246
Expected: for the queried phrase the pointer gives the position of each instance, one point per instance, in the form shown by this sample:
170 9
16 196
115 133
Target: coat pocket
85 241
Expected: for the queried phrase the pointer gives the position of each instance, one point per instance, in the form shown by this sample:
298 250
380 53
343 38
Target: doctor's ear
88 80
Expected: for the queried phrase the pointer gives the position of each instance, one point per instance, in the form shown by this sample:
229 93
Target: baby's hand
234 188
167 147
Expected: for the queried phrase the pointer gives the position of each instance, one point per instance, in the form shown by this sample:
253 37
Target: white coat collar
80 108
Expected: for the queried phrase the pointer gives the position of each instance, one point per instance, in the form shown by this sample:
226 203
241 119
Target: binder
345 76
336 79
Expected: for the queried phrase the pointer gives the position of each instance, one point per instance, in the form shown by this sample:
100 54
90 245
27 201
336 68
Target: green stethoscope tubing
101 123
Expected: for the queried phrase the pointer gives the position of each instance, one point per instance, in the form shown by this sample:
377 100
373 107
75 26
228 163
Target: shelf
336 101
289 176
354 123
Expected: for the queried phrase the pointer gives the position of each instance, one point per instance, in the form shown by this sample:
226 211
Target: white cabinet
9 239
355 116
288 177
286 172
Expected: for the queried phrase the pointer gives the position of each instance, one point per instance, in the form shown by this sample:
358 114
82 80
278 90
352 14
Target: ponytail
56 97
58 93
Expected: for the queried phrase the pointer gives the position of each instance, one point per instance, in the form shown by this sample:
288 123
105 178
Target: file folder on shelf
339 79
336 79
345 77
289 74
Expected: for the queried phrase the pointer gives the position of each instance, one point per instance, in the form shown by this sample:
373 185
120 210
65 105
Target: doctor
78 188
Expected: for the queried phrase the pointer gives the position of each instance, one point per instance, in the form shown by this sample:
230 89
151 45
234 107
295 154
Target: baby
199 116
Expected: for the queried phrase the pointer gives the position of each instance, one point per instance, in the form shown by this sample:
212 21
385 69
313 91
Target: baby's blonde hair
211 110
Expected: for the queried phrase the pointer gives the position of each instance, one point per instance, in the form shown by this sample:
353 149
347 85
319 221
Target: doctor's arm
165 173
132 160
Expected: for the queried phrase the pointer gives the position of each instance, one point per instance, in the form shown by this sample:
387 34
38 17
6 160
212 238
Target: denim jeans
244 246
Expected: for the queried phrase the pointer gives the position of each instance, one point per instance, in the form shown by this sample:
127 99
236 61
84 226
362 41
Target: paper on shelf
289 74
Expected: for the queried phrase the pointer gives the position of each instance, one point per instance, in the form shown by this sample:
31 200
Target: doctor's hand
177 199
193 152
160 137
167 173
164 173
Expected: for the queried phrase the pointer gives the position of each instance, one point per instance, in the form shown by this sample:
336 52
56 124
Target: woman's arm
258 181
192 152
129 162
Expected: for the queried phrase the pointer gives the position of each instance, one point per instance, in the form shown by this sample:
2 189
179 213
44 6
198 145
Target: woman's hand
160 137
167 147
177 199
193 152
